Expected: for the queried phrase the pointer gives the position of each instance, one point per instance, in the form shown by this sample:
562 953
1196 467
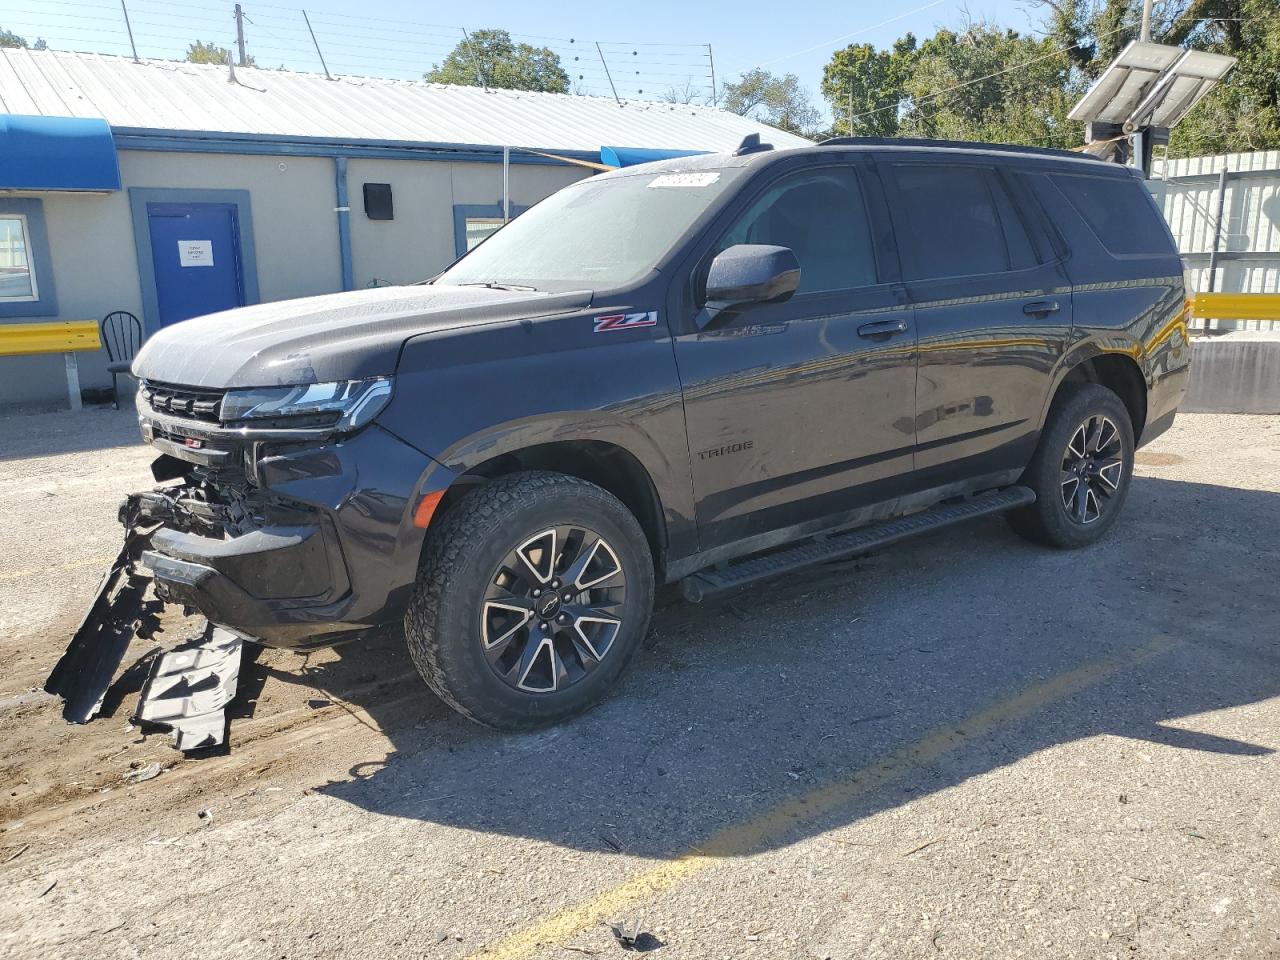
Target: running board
698 586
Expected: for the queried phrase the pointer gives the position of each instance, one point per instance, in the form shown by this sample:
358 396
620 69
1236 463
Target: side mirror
749 273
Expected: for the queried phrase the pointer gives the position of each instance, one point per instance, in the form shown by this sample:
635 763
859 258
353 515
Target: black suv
706 371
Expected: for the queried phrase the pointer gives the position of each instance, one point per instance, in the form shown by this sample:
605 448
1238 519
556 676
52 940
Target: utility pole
1145 35
851 108
240 33
130 29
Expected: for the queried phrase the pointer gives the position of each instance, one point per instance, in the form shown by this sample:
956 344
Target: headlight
343 405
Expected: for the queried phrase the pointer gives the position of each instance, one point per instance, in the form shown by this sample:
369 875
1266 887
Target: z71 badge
626 321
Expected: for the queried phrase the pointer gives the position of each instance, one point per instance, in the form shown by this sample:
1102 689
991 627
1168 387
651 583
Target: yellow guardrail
57 336
53 336
1236 306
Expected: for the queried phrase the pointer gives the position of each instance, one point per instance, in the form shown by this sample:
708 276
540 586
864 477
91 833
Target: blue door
196 251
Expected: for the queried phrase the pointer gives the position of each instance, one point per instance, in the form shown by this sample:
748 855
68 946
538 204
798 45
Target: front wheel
1080 471
532 595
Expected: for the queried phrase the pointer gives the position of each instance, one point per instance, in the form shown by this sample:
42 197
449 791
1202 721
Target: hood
338 336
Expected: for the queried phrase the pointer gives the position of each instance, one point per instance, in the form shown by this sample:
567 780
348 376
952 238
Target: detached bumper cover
119 611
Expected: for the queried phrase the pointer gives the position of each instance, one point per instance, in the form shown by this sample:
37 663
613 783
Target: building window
17 278
26 270
479 228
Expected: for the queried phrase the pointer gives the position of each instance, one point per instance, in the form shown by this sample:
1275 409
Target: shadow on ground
734 708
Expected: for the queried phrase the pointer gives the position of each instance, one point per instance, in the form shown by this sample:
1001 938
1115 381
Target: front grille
185 402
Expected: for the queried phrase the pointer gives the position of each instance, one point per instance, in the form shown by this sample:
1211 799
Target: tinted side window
960 221
1118 211
821 216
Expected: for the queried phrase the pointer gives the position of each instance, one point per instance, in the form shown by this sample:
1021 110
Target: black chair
122 336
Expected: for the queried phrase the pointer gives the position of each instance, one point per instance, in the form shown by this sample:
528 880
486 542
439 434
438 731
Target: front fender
466 397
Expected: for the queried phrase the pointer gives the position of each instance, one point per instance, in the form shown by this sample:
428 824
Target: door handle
882 328
1040 308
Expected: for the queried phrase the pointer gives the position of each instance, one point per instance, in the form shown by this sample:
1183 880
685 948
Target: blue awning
629 156
57 153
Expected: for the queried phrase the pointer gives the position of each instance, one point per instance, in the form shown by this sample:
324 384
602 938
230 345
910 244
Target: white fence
1224 212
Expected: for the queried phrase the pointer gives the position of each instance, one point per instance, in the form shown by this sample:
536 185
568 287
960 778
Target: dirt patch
1157 458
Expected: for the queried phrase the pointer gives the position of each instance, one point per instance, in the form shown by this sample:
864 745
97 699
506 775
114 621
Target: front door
802 410
195 248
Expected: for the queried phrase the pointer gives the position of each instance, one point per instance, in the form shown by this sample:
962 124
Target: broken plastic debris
148 772
631 937
190 687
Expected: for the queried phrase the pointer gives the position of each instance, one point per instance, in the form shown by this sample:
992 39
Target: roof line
212 141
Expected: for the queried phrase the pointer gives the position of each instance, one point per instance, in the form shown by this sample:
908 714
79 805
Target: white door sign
195 253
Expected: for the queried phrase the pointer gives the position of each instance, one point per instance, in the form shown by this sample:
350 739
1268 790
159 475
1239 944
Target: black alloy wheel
1081 469
534 592
1093 467
553 609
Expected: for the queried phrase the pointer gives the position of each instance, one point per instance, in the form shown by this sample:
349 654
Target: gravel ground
962 747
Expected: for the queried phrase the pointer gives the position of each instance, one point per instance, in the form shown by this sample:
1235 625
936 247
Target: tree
981 82
210 52
994 85
503 64
687 92
12 40
779 101
866 87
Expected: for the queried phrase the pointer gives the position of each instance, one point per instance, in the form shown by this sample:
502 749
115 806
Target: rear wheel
533 593
1080 471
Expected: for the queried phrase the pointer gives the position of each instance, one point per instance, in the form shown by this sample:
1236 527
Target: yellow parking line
772 825
69 565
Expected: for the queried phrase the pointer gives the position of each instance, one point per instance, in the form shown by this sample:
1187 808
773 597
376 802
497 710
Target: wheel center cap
548 606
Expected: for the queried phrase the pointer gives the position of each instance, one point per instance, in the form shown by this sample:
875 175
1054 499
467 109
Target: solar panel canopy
1151 84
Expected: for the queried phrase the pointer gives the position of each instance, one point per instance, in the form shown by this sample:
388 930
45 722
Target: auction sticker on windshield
702 178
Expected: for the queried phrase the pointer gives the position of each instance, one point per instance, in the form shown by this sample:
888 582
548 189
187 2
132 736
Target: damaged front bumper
298 546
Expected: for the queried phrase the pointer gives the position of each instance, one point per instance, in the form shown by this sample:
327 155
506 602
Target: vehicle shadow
735 708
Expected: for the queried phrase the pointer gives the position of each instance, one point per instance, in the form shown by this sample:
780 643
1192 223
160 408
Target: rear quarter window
1119 212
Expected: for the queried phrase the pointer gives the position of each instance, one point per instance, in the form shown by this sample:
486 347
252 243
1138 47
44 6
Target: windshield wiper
499 285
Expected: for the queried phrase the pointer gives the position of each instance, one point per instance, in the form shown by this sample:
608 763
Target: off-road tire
1048 521
467 544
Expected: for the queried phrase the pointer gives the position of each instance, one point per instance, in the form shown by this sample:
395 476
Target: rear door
993 312
800 410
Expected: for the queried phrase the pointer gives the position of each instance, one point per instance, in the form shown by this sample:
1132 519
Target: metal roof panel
166 95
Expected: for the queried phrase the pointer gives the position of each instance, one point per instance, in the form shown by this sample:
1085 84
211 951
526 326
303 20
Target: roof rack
952 144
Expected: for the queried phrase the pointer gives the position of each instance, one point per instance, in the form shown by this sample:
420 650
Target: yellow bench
57 336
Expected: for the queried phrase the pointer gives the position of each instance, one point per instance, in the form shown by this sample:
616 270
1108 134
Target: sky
647 48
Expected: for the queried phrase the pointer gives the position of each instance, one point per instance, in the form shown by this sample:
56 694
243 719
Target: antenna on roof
751 144
129 28
316 45
476 60
607 74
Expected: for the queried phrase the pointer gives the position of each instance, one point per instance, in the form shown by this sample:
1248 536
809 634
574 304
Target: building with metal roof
168 189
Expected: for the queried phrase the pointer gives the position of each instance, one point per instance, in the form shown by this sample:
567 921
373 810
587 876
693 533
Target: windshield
596 233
